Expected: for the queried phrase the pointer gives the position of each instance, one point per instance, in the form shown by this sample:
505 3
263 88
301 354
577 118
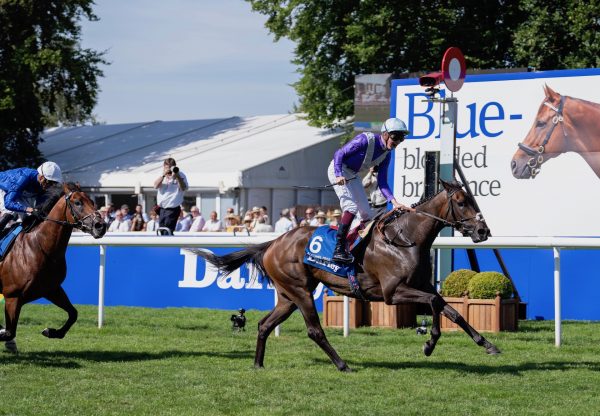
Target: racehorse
36 267
396 268
579 122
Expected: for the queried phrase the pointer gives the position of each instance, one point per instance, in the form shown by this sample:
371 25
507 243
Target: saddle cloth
321 244
7 238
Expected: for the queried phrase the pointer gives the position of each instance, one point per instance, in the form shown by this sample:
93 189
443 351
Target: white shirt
263 228
152 225
213 225
283 224
120 226
168 194
198 224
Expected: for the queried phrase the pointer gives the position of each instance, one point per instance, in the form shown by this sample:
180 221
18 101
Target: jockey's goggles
397 136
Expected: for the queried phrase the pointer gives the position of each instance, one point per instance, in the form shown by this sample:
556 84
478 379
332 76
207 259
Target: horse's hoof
259 367
52 333
427 350
492 350
11 346
346 369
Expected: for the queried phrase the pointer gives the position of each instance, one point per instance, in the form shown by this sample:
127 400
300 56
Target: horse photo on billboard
562 124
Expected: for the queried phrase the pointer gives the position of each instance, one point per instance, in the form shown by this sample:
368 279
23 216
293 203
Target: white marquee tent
240 162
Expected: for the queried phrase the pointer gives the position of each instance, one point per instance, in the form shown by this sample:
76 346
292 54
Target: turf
189 362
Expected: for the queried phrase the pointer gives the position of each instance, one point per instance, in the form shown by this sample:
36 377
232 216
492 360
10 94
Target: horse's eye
461 204
77 203
540 123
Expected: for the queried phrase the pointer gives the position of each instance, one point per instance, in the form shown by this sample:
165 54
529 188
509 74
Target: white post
101 276
557 322
346 316
277 327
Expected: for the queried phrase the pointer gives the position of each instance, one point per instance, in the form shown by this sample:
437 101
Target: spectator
263 213
231 222
284 224
248 222
125 211
197 219
262 226
293 217
309 218
140 210
185 221
376 198
170 185
104 214
213 224
120 224
152 224
337 214
321 218
255 216
111 211
137 220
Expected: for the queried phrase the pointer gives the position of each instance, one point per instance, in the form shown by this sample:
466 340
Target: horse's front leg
60 299
10 346
457 318
12 309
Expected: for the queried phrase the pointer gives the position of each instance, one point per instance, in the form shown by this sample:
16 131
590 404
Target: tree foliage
338 39
45 74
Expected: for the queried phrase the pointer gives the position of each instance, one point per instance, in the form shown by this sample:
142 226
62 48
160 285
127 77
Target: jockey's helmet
51 171
394 124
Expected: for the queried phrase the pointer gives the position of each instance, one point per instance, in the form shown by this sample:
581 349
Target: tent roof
212 152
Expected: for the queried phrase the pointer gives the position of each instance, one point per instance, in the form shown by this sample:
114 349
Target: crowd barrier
221 240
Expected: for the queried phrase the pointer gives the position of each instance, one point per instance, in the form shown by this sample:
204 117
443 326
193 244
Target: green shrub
485 285
457 282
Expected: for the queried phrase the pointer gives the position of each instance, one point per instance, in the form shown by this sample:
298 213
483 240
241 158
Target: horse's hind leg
280 313
315 331
60 299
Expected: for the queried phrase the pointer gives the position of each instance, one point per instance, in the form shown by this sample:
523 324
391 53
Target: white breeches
353 197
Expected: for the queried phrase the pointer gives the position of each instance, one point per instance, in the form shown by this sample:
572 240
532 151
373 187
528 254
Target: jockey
355 157
20 188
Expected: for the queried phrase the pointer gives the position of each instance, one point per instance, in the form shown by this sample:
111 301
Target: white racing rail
227 240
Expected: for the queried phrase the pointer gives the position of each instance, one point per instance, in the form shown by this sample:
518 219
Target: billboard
528 153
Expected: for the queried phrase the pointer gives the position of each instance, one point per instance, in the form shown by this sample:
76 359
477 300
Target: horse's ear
551 94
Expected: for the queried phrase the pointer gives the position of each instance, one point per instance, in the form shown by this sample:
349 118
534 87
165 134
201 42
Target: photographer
171 186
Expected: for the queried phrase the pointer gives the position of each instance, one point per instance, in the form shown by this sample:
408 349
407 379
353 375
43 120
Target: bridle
537 158
78 222
457 224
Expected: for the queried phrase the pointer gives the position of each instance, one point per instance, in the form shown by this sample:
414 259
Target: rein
395 214
78 224
537 156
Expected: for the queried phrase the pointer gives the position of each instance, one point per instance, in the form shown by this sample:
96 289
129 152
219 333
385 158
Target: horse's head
81 211
544 141
67 204
462 213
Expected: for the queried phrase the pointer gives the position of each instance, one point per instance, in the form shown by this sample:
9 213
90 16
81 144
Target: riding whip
321 187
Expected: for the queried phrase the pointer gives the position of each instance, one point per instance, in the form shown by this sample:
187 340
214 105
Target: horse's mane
52 195
453 184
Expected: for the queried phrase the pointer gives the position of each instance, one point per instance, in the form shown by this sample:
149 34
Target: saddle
8 237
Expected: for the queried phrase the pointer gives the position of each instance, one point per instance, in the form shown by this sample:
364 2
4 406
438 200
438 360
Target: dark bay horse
36 267
562 124
392 270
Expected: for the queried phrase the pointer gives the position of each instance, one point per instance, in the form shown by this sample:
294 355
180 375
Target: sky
188 59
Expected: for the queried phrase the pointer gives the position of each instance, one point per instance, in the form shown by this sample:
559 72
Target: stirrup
343 257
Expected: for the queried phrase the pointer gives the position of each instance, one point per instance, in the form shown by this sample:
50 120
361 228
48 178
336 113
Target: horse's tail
232 261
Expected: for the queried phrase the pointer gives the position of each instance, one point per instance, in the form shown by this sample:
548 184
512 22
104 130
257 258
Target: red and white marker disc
454 69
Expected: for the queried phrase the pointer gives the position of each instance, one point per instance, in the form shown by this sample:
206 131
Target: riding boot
341 253
5 219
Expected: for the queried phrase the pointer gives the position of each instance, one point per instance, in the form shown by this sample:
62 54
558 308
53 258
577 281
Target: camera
238 322
422 330
174 170
432 79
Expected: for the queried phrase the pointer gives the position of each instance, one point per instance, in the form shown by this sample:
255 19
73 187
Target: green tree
337 39
45 74
558 35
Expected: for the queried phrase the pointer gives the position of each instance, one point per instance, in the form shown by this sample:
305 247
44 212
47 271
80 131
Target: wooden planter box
485 315
333 312
392 316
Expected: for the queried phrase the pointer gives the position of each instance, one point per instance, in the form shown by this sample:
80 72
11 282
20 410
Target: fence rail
206 240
